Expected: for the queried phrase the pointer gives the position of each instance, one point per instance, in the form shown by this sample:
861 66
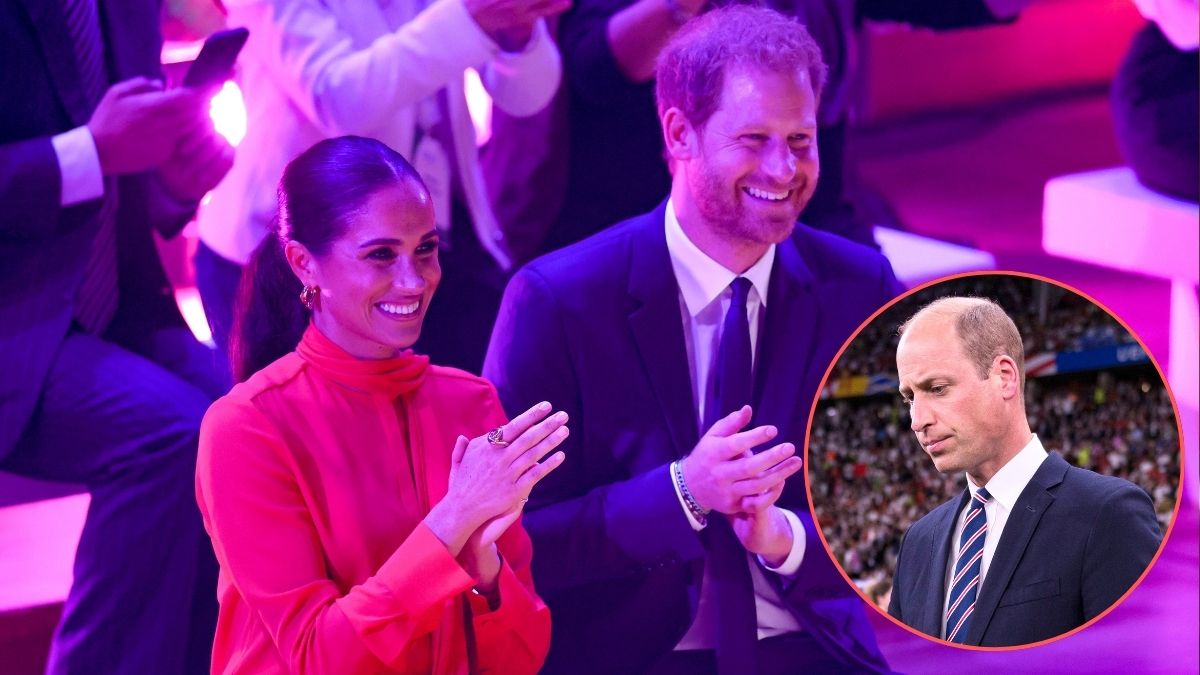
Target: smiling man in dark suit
1034 547
101 383
665 544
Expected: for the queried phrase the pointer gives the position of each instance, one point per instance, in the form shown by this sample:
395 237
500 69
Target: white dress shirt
78 166
704 298
1004 487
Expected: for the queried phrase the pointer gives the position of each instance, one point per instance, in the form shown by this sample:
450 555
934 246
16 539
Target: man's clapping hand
722 470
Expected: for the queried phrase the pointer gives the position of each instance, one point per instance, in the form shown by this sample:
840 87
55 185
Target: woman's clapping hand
490 481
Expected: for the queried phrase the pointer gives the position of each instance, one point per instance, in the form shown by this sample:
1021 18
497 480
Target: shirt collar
1010 481
702 279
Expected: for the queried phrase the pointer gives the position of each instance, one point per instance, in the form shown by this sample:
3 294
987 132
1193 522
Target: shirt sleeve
515 637
791 564
522 83
350 89
266 542
79 165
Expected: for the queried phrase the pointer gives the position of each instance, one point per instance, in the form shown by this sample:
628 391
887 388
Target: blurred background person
103 384
392 71
1156 99
358 529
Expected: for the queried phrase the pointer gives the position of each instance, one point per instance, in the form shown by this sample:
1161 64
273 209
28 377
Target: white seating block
37 550
1106 217
917 259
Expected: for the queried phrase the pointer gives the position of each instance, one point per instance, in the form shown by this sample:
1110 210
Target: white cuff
696 525
791 564
79 166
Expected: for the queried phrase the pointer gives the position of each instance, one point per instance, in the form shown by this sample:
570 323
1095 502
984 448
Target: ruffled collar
393 377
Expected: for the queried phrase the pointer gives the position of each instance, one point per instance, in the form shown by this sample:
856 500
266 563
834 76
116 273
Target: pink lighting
228 113
479 104
192 310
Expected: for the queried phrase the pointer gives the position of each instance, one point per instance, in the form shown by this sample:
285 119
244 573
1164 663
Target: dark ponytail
319 192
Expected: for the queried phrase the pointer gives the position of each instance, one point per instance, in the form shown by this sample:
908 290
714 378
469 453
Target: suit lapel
1023 520
939 555
657 327
786 340
55 41
132 39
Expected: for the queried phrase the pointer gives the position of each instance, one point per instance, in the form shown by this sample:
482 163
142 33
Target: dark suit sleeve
591 69
582 531
891 286
1123 541
895 607
30 189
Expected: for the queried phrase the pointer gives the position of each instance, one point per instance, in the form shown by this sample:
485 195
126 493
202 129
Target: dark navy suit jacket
43 247
1074 543
597 329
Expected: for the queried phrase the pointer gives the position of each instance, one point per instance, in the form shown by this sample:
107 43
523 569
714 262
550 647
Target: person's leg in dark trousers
217 279
126 425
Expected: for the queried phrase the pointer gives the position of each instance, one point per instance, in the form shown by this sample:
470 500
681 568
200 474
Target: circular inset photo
994 460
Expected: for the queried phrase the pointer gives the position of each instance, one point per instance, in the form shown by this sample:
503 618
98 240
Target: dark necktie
964 586
729 572
96 301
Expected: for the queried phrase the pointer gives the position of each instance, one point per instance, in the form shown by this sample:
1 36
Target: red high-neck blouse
313 479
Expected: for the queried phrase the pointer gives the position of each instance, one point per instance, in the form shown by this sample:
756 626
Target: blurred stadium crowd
870 479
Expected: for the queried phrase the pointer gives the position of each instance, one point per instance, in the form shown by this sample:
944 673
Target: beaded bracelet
698 512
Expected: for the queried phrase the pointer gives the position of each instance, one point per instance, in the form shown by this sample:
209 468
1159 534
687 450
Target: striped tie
96 301
964 587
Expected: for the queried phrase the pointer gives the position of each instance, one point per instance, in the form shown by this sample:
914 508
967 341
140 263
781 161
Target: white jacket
314 69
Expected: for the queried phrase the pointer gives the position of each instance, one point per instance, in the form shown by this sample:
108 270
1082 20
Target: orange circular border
1179 485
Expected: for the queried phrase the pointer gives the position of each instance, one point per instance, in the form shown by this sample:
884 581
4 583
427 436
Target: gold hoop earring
308 296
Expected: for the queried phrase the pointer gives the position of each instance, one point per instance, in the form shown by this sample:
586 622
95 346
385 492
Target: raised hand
137 124
510 22
722 469
199 161
761 526
489 481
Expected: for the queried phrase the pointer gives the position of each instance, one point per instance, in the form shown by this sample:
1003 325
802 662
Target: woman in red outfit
357 527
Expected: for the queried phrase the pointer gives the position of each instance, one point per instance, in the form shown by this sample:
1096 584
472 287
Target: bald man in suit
1033 547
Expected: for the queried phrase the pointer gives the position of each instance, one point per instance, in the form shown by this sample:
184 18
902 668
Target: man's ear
301 261
680 138
1010 378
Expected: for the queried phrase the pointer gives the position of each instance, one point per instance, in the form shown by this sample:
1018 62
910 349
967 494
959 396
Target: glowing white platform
1106 217
38 543
917 259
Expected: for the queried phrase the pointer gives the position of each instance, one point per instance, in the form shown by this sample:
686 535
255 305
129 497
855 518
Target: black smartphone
215 62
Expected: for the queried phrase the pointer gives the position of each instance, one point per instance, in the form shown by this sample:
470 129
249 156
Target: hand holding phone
217 57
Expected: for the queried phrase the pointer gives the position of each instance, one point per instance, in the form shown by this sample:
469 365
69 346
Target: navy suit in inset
597 330
118 412
1074 543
